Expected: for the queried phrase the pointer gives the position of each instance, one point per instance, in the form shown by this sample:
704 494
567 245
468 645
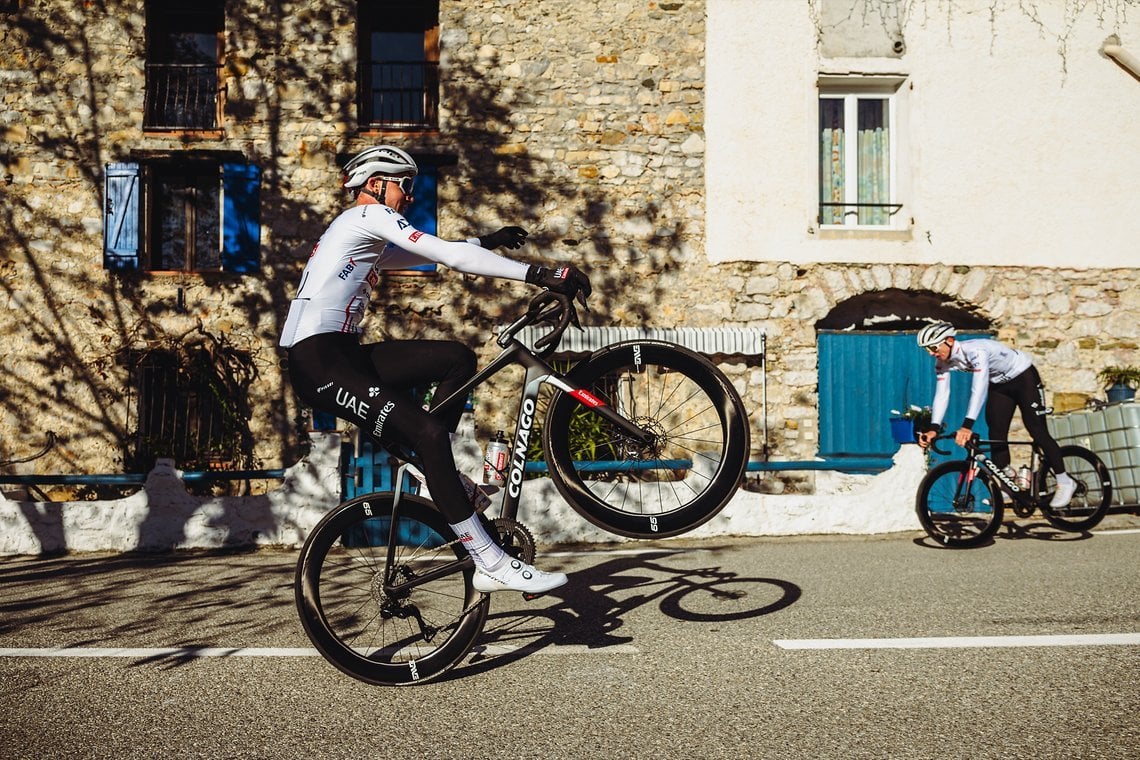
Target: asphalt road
814 647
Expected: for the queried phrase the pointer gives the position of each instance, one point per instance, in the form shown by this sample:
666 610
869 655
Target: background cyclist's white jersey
989 361
346 262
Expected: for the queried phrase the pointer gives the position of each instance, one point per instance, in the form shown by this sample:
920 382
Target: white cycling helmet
934 333
379 159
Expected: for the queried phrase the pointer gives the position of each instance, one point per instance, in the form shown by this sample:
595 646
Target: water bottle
1023 478
495 461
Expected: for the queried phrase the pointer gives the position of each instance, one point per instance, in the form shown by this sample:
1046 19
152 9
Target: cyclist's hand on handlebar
564 278
507 237
962 437
926 437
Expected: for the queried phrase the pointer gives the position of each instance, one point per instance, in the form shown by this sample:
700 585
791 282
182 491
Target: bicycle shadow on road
589 611
1011 531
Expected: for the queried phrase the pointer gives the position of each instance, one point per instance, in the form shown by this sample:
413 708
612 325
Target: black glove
507 237
564 279
926 427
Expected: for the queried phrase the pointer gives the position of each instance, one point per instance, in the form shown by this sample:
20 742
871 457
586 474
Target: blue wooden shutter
241 218
121 228
424 212
863 376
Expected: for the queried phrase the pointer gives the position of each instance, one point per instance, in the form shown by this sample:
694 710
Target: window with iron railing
399 64
859 167
182 96
184 65
402 95
184 411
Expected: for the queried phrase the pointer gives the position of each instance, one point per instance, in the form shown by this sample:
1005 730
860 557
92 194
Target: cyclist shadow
590 608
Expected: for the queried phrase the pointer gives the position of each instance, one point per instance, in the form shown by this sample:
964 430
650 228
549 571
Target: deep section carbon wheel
958 505
687 471
388 605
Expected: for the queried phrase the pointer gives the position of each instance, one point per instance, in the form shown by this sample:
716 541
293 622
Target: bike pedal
531 597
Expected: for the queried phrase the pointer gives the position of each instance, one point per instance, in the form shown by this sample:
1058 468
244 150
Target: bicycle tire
1093 495
647 492
954 517
339 588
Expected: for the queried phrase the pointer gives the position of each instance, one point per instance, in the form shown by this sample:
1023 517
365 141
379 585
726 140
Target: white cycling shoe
516 575
1064 494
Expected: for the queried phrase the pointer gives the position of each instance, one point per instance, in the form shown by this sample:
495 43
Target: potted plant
903 424
1120 382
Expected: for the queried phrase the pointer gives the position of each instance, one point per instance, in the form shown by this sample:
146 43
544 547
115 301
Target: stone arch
897 309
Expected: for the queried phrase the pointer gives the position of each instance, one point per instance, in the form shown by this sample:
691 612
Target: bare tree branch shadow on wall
72 320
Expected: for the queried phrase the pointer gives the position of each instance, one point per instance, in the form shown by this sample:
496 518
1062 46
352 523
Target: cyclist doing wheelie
367 384
1004 379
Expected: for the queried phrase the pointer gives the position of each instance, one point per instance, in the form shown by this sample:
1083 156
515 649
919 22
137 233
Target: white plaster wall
1022 145
163 516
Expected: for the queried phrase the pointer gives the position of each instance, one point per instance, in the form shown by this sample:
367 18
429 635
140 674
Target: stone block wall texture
581 121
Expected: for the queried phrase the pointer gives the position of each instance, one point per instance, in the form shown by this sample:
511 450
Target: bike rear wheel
679 481
400 637
958 505
1091 499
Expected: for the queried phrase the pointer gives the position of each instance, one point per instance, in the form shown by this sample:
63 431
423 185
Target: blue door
865 375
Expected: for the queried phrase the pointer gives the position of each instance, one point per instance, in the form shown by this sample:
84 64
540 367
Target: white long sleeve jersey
988 360
345 265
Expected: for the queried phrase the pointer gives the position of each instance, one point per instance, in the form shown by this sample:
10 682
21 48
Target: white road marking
149 652
501 649
617 552
143 653
961 642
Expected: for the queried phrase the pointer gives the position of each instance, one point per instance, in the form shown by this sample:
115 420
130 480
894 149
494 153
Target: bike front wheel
692 467
388 607
1090 500
958 505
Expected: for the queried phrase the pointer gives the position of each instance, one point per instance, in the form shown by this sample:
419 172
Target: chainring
1021 510
515 539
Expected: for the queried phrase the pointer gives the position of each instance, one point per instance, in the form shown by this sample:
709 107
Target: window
186 410
185 218
399 64
183 65
423 213
858 153
182 214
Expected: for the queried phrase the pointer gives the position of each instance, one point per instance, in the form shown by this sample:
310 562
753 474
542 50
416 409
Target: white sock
1063 479
487 554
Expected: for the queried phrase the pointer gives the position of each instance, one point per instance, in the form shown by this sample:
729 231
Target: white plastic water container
1113 434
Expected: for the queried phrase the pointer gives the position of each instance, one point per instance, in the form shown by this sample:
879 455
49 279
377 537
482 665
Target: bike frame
977 458
537 373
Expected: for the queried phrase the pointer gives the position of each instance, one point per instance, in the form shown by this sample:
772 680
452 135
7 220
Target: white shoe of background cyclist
1064 494
516 575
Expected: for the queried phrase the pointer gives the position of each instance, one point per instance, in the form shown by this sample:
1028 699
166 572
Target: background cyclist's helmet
934 333
379 159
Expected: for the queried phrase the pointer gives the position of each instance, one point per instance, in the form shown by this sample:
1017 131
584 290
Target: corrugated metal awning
711 341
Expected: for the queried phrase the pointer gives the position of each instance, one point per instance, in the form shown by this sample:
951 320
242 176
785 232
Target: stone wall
582 121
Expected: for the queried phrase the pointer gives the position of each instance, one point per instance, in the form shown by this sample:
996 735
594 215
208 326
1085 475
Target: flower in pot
1120 381
904 424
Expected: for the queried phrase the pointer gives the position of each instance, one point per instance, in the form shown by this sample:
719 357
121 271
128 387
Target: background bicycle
960 503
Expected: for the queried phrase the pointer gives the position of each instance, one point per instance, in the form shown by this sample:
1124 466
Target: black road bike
960 503
644 439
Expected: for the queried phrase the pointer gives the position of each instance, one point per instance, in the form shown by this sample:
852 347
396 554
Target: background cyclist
1004 379
367 384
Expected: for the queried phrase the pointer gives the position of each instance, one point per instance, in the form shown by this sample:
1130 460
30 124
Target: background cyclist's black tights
1024 392
369 385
